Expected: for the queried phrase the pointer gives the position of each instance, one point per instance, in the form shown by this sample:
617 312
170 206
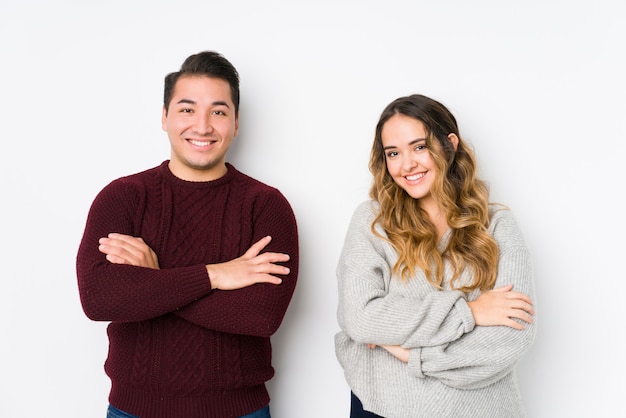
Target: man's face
201 124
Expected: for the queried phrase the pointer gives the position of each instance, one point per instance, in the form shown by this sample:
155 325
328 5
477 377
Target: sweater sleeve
486 354
259 309
375 309
116 292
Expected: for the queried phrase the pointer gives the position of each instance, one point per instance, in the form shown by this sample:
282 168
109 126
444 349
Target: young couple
194 264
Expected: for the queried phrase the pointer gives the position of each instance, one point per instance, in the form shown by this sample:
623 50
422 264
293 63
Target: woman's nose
409 162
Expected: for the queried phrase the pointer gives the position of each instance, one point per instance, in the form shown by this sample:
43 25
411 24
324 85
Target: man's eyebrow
415 141
221 103
192 102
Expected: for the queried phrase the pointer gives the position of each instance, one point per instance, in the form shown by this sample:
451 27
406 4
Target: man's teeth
415 176
200 143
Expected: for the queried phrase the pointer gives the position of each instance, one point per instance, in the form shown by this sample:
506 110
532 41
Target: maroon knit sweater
177 349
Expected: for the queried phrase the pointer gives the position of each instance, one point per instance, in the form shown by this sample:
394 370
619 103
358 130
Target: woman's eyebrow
415 141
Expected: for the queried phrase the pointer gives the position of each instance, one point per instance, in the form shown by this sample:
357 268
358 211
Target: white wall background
538 89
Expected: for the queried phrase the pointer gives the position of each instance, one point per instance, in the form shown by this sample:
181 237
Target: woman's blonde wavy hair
462 196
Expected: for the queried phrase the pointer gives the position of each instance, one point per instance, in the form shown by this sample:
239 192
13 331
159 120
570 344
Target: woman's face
408 160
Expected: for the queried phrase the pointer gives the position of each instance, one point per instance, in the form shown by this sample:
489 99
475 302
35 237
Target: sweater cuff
467 318
194 282
415 362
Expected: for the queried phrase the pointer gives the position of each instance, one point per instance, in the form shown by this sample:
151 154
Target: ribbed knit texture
455 368
176 348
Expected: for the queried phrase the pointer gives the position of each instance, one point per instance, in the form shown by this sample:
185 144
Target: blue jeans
356 409
259 413
113 412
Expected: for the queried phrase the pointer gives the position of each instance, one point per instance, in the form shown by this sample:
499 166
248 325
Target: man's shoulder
260 194
140 177
132 184
252 184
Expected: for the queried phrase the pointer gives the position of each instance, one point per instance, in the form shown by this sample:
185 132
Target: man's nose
204 124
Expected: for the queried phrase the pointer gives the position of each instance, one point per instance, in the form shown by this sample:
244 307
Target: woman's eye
392 154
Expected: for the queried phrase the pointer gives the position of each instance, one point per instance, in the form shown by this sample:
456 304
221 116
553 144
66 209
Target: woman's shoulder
503 224
366 211
499 212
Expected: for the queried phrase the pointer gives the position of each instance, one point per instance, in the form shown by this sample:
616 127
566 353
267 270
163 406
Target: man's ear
163 119
454 140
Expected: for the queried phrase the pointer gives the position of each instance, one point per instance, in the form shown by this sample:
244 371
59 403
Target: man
193 263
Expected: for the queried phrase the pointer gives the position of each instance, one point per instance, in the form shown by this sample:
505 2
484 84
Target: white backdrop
537 87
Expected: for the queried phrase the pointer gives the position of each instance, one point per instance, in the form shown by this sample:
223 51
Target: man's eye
219 112
186 110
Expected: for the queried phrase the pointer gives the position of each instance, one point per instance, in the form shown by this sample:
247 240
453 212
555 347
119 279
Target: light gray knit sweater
456 369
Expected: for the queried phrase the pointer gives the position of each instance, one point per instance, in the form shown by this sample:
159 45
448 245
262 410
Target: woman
435 282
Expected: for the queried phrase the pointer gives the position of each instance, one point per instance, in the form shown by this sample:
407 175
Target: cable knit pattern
176 348
455 368
140 364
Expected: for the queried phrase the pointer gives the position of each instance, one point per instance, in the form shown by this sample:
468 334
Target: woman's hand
398 352
500 306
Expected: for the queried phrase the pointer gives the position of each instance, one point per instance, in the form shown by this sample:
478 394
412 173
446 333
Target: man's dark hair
205 63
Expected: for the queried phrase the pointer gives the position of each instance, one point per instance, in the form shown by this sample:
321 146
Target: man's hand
249 269
125 249
500 305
